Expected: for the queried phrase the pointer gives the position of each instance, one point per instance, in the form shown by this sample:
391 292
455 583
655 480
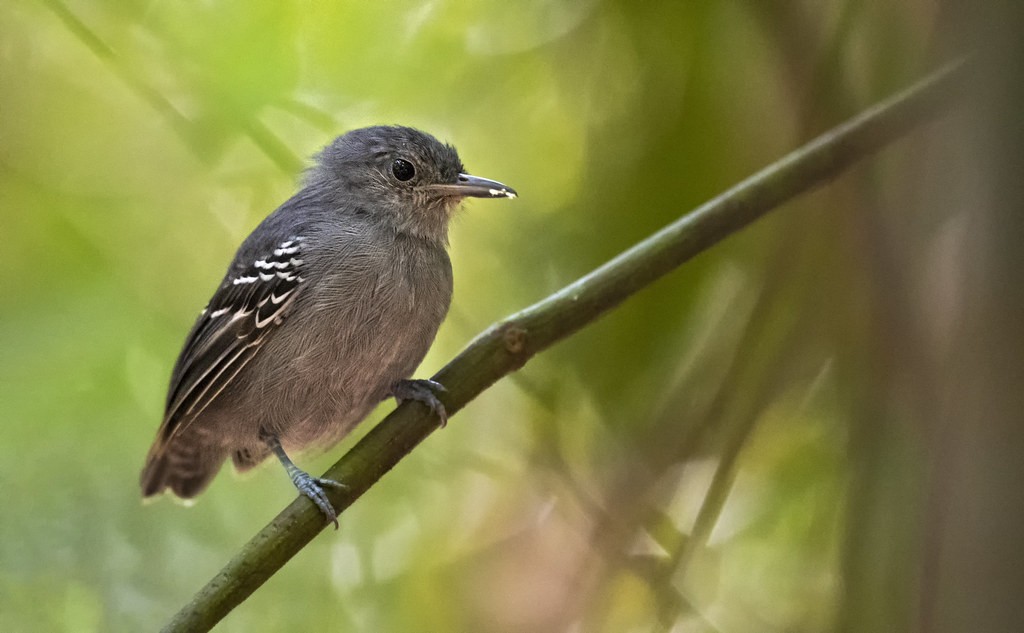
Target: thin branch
509 344
106 54
263 137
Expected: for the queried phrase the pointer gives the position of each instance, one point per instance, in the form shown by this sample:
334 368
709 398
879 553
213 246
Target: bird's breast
364 322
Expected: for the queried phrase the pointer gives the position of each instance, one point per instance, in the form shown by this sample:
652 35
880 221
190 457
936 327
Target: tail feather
185 467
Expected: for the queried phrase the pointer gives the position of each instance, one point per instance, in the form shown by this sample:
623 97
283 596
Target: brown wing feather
248 307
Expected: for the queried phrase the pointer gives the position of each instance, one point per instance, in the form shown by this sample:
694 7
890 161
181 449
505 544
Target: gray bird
327 309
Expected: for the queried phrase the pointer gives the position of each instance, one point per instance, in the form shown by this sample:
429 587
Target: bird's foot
310 486
424 391
313 488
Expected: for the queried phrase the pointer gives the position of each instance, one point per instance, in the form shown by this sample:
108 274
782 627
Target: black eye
402 169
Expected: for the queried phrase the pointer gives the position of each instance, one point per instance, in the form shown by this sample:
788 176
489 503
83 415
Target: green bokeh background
742 447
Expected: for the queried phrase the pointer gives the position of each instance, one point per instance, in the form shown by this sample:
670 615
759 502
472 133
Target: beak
474 187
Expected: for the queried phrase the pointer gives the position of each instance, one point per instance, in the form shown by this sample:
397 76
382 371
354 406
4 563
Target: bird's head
404 177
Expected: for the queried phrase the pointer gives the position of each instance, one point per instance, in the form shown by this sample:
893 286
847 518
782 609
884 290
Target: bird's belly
316 380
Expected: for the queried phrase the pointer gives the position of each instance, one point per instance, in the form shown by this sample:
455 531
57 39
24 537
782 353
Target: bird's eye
402 169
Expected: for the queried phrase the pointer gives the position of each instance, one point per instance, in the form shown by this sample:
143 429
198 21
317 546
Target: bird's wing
250 304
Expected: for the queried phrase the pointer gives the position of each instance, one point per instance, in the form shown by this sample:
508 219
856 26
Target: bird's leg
312 487
424 391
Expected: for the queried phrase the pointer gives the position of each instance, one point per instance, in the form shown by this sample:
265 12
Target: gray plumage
327 308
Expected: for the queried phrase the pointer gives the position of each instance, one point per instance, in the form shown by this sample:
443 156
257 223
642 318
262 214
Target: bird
327 309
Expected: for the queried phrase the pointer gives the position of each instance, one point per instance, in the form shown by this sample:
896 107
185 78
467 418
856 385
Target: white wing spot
277 299
260 324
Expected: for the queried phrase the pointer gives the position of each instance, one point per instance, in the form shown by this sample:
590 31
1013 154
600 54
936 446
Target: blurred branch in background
175 119
973 571
190 133
874 584
734 409
509 344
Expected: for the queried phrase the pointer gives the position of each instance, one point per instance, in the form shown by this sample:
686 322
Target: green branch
509 344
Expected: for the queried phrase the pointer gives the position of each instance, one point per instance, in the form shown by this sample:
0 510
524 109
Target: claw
424 391
311 487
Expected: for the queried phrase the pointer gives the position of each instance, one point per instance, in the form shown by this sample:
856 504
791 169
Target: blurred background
814 427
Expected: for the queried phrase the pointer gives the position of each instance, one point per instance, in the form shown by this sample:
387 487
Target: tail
247 458
184 466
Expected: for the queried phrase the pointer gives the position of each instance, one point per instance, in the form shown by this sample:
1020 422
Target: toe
423 391
330 483
311 488
436 386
